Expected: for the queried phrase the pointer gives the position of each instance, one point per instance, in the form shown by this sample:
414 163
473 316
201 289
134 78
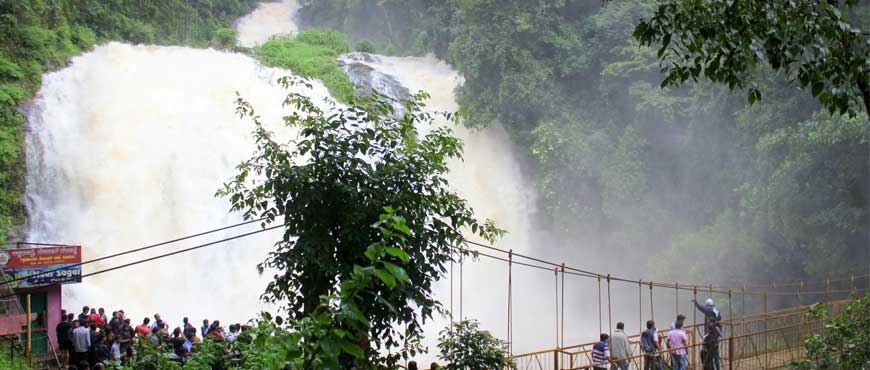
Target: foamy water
269 19
126 147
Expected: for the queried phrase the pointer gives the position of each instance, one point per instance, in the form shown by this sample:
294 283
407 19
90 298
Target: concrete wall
54 304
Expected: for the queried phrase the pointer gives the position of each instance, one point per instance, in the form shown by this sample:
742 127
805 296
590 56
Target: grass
311 53
16 363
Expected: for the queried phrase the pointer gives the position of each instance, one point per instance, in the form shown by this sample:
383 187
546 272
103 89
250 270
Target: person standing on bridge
601 353
712 329
711 313
619 349
678 341
680 318
710 353
649 344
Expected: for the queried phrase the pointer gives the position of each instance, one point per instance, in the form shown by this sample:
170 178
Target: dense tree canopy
814 43
706 184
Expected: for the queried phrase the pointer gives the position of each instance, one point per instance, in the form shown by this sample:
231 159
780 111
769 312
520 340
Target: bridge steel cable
71 266
180 251
689 287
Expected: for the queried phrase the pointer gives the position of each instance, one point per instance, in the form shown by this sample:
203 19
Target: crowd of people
92 340
614 351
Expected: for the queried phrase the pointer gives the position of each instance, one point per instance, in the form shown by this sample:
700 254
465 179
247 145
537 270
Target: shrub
333 40
309 56
464 346
225 38
365 46
8 69
845 343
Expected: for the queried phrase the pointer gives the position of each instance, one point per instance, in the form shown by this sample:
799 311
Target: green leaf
387 278
818 86
352 349
398 272
398 253
403 228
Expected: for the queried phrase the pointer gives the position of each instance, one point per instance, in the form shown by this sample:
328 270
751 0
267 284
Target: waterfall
127 145
269 19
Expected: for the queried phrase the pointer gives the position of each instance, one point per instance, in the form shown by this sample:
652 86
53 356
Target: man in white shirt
157 322
81 343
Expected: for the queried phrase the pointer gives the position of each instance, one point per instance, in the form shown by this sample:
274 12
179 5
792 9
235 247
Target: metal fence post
731 352
555 359
28 353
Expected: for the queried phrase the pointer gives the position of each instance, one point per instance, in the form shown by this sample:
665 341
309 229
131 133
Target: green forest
695 176
690 173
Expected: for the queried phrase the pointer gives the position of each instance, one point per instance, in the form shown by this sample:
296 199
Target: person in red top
95 318
143 329
214 331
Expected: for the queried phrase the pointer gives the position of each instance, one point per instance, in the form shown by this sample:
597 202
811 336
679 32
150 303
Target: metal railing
761 341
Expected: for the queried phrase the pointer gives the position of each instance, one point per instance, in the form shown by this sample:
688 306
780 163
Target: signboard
41 266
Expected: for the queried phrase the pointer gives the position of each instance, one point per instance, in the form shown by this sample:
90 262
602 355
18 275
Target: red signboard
32 267
42 256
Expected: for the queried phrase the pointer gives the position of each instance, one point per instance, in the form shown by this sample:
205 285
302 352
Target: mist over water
127 146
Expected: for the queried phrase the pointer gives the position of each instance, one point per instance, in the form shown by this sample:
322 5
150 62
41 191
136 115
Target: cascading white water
127 146
269 19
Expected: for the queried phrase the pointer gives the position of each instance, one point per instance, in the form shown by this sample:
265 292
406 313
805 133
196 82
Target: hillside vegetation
705 185
311 53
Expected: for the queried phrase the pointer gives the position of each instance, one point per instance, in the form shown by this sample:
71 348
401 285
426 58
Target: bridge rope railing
759 346
759 291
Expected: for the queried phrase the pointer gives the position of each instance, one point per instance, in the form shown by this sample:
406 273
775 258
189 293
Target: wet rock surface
356 66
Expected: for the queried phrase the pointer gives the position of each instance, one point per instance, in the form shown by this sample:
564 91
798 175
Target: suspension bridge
757 338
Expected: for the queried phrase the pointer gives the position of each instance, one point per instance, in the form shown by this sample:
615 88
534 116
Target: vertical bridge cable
828 289
730 314
677 299
461 260
609 309
562 342
510 304
640 305
600 326
556 279
800 287
652 313
451 294
695 324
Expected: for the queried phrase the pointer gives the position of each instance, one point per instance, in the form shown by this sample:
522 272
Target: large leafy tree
329 185
814 43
